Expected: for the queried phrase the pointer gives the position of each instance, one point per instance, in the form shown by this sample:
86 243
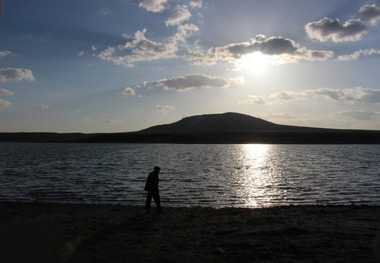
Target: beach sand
41 232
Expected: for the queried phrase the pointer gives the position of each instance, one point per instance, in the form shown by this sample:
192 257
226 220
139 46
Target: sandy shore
35 232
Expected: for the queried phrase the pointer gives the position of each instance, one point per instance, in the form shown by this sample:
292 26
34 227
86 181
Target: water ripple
210 175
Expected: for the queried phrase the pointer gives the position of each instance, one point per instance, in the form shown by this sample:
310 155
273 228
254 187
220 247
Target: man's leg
157 200
148 201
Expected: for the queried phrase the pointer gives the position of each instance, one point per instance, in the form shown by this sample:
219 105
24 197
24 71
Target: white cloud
183 32
141 49
4 104
285 96
350 96
18 74
153 5
42 106
164 109
194 4
281 116
112 121
357 54
138 49
180 14
105 12
81 53
194 81
5 92
361 115
253 100
355 95
5 53
128 91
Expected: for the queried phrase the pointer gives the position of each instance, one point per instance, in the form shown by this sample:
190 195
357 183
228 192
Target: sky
125 65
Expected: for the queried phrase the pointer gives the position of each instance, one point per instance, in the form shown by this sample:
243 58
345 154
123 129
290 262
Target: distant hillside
224 123
212 128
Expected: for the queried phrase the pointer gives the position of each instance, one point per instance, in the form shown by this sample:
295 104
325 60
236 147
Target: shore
40 232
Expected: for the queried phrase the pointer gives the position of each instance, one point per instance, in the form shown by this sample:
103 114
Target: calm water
248 175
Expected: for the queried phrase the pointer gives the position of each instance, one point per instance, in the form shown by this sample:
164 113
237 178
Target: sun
257 63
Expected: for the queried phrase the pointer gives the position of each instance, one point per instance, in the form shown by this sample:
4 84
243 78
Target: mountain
223 123
238 128
213 128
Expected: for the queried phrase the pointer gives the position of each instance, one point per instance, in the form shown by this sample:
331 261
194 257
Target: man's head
157 169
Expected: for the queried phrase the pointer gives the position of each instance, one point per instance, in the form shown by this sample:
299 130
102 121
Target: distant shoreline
48 232
320 137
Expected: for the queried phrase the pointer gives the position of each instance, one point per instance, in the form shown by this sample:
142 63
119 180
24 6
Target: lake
217 175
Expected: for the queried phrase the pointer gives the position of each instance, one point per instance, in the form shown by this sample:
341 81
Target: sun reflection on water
256 182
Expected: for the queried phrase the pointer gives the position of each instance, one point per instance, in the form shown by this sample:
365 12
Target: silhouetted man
151 186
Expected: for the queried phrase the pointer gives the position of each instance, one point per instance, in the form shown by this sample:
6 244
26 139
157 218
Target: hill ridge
229 122
229 127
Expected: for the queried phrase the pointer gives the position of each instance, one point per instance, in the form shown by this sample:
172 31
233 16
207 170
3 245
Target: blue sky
124 65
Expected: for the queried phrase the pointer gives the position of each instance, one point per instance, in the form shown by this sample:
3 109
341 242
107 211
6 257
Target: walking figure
151 186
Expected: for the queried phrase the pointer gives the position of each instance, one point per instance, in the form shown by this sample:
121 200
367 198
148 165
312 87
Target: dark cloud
195 81
270 46
18 74
277 46
331 29
370 13
352 30
286 50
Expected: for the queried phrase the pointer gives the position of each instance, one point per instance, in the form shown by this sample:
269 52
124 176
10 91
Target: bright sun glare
255 62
